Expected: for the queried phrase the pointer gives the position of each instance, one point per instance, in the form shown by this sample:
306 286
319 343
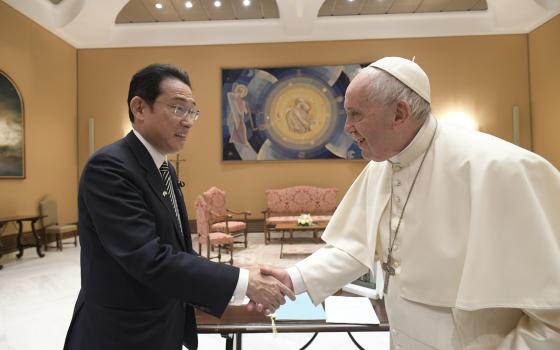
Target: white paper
350 310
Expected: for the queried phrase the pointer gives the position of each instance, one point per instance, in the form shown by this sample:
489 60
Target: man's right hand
279 274
267 292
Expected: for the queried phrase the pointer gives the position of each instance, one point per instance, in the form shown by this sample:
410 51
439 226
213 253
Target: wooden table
292 227
20 220
236 320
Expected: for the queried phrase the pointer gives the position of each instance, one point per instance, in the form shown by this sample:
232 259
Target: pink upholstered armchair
221 218
210 239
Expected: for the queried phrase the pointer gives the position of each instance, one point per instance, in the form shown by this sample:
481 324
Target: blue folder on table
300 309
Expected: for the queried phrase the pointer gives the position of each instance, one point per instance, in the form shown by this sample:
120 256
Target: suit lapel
154 180
181 207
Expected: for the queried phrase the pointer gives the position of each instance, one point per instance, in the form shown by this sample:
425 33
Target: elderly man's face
369 123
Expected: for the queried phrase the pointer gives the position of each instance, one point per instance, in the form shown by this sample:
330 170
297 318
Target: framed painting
12 142
290 113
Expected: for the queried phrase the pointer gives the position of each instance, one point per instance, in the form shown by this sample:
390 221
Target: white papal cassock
477 256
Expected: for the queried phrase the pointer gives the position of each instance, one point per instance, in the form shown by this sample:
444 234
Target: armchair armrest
220 216
246 212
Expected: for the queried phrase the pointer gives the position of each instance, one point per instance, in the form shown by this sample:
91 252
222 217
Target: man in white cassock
466 225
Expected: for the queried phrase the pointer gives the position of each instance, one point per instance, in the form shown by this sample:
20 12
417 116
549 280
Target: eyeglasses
183 112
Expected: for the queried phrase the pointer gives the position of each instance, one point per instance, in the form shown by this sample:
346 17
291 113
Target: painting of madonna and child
288 113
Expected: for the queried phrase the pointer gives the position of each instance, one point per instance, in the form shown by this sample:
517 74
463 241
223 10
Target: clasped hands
267 287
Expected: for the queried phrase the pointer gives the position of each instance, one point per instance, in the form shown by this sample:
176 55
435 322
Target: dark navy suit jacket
140 275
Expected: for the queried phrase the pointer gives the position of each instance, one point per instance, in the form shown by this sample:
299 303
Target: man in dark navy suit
140 275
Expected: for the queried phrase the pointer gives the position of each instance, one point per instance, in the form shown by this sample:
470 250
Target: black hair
146 83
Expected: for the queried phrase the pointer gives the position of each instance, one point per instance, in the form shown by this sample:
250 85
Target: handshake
267 287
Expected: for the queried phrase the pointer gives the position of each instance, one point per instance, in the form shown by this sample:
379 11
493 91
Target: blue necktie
164 170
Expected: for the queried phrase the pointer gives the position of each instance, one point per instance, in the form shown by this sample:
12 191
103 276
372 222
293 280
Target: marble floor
37 297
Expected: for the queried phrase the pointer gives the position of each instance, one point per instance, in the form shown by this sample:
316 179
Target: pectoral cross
389 271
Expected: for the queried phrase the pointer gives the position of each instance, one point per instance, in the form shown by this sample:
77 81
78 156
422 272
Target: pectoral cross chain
389 271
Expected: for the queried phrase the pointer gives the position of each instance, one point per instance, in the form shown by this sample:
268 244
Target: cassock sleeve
536 330
327 270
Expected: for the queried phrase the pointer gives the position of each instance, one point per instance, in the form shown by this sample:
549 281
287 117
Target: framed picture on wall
12 135
289 113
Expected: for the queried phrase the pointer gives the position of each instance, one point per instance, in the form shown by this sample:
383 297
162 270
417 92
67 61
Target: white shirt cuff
240 288
297 280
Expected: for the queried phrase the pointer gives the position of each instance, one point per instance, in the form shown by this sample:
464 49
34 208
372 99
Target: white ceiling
91 23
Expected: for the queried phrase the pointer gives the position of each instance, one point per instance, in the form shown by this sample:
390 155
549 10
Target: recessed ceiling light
188 4
217 3
246 2
158 5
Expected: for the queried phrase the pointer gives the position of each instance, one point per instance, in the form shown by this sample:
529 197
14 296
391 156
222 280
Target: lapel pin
164 193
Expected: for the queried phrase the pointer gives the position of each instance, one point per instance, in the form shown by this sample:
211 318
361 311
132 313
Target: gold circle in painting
300 115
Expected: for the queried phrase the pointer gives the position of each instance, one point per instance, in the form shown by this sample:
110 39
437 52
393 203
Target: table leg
37 240
238 341
355 342
229 341
19 237
282 243
310 341
1 226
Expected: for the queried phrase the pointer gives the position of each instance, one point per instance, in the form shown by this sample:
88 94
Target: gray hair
386 89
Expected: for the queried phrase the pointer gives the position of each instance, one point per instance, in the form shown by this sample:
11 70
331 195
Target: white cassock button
397 182
398 199
396 264
396 246
396 167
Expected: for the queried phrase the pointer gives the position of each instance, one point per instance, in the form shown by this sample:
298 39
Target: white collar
418 145
156 155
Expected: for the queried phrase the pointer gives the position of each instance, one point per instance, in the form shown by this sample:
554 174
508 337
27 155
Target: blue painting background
246 94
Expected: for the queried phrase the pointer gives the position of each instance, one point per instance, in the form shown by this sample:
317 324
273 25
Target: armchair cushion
233 226
61 228
218 238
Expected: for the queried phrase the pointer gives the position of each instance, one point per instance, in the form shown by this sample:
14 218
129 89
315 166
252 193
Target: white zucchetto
407 72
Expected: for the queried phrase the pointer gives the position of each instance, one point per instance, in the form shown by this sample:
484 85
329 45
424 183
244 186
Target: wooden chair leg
46 242
265 235
219 253
231 254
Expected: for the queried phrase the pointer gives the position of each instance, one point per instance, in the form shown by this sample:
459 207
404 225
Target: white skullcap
407 72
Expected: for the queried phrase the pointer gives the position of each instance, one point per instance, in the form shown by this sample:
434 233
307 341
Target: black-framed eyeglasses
183 112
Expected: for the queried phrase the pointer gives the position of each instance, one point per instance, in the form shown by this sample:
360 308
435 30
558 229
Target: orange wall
484 76
44 69
544 55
